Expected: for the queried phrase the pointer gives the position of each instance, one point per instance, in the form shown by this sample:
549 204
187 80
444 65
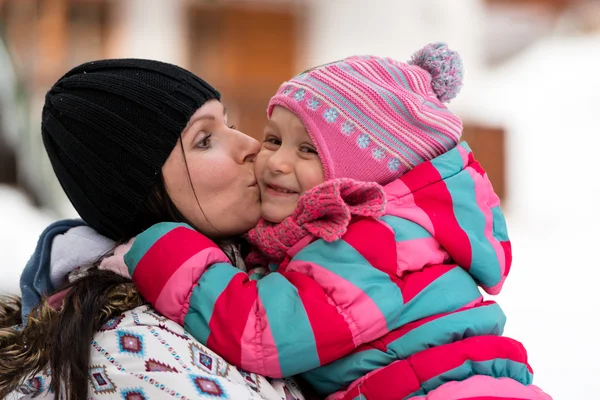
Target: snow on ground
20 226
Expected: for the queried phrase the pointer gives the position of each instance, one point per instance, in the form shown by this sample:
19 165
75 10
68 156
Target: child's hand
116 263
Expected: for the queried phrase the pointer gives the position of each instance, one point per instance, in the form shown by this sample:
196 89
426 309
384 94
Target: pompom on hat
374 119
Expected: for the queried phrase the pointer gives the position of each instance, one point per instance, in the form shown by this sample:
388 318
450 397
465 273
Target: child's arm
320 309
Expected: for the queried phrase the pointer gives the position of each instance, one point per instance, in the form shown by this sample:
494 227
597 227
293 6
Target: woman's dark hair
61 338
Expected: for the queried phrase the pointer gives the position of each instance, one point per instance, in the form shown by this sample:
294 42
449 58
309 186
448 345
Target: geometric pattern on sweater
133 394
111 324
100 380
130 343
150 357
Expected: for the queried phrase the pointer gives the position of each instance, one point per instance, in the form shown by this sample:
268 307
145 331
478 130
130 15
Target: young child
372 291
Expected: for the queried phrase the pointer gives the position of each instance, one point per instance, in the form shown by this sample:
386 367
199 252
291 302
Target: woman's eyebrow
209 117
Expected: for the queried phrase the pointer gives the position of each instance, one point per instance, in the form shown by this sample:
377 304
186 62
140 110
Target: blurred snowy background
530 107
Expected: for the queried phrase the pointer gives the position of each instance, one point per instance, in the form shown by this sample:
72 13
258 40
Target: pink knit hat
373 119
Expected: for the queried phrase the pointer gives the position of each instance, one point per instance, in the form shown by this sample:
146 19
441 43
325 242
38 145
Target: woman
133 143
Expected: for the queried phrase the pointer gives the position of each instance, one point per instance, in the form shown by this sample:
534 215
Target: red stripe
383 343
506 246
229 318
430 363
394 382
478 168
435 200
165 257
376 243
415 282
398 333
470 158
331 331
374 345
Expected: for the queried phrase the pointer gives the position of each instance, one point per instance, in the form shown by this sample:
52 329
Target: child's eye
308 149
273 141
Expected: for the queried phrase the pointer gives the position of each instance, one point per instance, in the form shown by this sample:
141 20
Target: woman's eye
204 143
232 127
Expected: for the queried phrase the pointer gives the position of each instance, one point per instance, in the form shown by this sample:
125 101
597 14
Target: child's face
286 166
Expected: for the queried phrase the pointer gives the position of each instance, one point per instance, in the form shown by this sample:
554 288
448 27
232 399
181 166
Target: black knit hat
109 126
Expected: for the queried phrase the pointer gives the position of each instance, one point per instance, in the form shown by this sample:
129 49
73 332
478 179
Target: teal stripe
449 163
422 99
405 229
438 108
347 263
485 266
399 78
399 107
211 285
497 368
449 292
289 323
479 321
499 224
341 373
144 241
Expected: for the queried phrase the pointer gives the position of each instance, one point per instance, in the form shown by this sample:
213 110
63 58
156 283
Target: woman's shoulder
142 350
140 353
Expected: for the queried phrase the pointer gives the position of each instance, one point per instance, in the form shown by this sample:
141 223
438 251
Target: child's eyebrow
271 123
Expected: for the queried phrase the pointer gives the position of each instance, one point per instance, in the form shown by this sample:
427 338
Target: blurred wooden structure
557 5
489 147
244 51
245 48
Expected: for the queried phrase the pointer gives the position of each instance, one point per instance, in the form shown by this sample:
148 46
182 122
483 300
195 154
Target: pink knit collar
323 212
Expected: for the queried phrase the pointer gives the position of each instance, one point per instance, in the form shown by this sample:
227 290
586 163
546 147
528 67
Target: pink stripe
464 155
362 315
494 290
362 103
344 79
345 87
482 190
401 203
475 302
259 352
481 385
413 255
173 300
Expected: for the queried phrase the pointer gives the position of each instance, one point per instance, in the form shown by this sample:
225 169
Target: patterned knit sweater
400 292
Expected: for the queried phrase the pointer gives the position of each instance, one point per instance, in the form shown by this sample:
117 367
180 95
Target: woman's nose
249 148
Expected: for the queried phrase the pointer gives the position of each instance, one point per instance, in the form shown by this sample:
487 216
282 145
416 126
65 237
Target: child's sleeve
328 301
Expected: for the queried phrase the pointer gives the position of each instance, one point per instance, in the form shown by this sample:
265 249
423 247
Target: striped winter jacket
404 287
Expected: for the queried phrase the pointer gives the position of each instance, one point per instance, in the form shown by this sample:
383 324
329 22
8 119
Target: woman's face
220 163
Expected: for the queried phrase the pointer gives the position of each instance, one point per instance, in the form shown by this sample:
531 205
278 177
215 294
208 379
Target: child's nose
280 163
